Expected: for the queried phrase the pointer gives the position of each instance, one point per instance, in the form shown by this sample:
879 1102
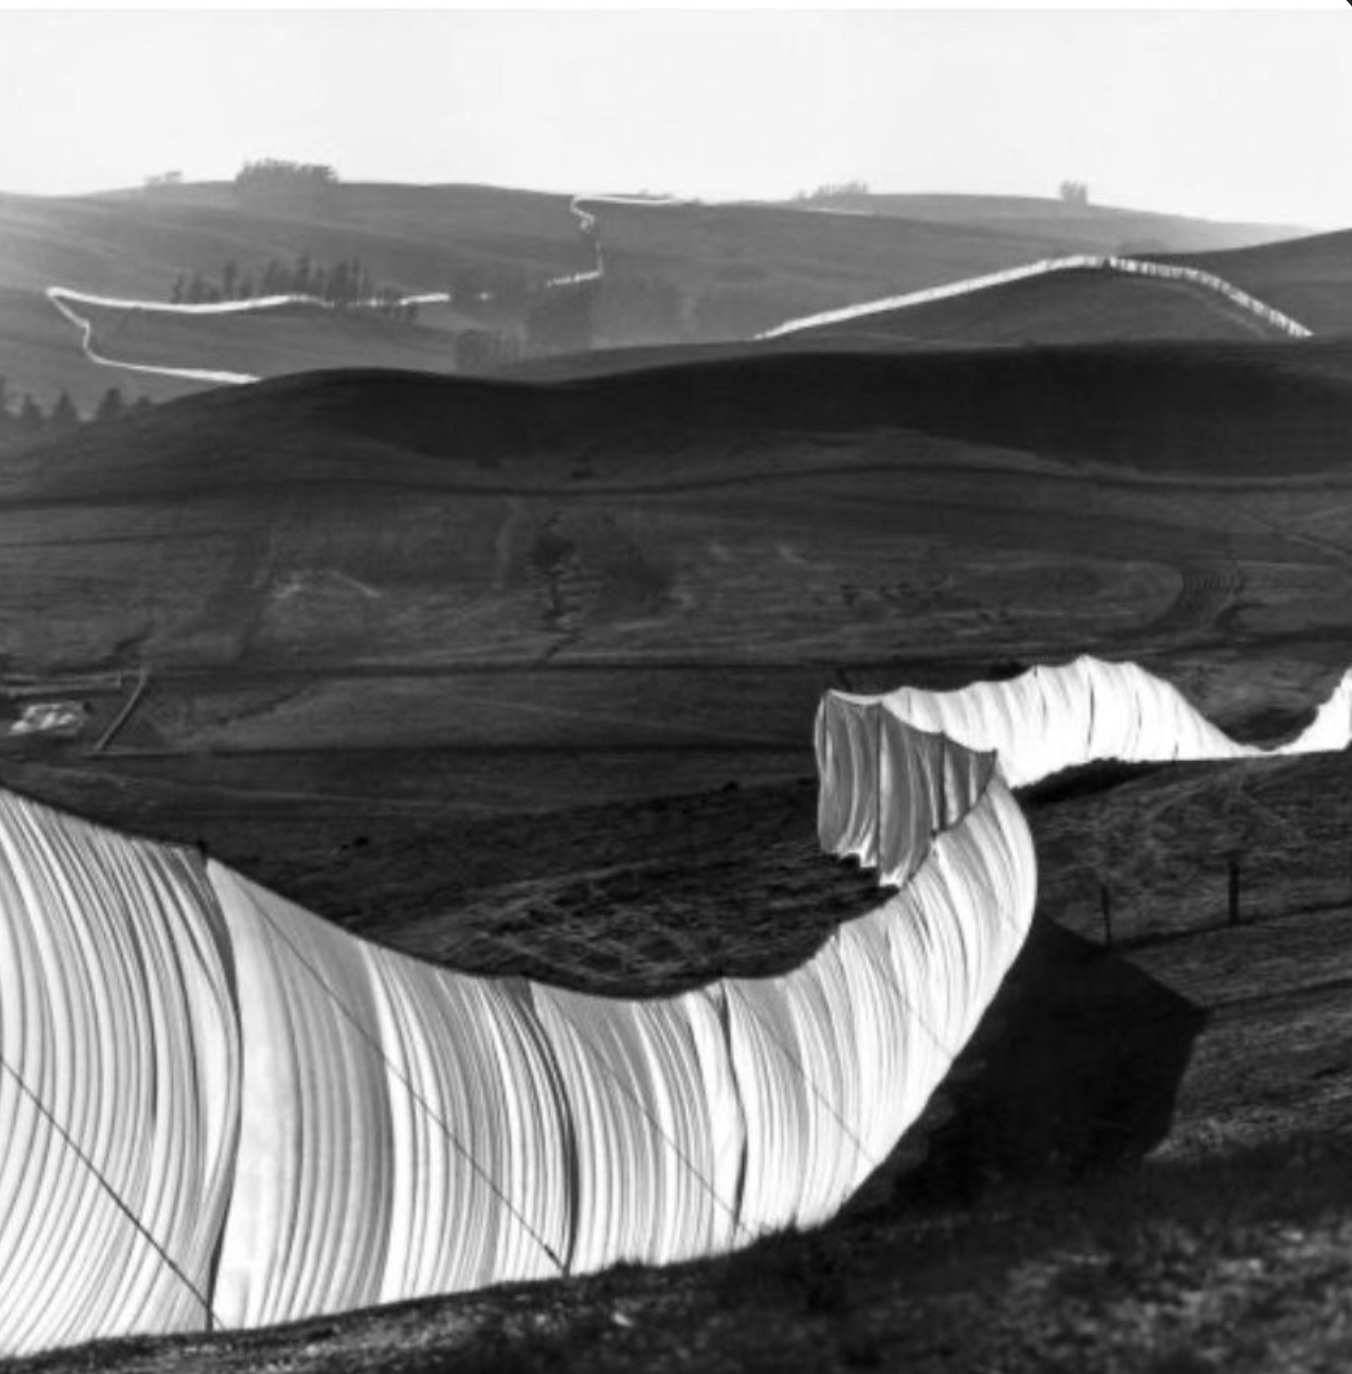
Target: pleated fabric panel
401 1126
888 787
119 1078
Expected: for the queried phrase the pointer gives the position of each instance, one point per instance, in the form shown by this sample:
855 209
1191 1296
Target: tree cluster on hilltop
275 184
831 190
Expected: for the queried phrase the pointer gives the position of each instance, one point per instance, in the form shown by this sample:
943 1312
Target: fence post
1234 889
1106 906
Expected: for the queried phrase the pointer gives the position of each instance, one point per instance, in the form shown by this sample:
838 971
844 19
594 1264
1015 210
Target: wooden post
1234 889
1106 906
125 714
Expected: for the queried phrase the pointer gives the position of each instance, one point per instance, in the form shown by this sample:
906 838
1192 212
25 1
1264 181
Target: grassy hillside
134 243
1309 279
1080 228
40 354
744 268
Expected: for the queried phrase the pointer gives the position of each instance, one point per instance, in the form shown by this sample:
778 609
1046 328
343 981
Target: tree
338 284
179 291
163 181
229 280
274 279
64 415
111 407
1074 192
31 418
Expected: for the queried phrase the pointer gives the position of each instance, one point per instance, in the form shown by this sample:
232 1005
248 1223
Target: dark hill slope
1058 308
1309 279
1259 411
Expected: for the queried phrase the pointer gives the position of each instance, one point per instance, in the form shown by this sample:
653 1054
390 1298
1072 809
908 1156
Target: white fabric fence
1037 724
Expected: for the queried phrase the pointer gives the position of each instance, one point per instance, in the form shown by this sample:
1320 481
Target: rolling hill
743 268
1310 278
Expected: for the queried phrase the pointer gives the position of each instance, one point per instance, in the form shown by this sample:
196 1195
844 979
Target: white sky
1232 114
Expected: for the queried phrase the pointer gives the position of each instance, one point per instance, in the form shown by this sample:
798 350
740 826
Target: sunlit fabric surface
219 1110
1047 719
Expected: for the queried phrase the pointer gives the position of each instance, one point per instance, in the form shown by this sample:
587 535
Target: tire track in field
1210 587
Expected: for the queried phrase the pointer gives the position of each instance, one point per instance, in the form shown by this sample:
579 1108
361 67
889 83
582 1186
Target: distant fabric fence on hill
1078 263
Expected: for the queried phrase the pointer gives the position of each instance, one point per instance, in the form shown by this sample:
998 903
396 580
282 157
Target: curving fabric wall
1037 724
219 1110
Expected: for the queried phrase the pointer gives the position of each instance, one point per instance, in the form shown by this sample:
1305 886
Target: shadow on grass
1077 1068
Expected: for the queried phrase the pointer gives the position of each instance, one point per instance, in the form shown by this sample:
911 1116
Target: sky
1224 113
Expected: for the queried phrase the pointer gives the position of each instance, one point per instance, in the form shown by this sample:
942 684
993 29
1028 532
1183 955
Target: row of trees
492 293
22 416
341 283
